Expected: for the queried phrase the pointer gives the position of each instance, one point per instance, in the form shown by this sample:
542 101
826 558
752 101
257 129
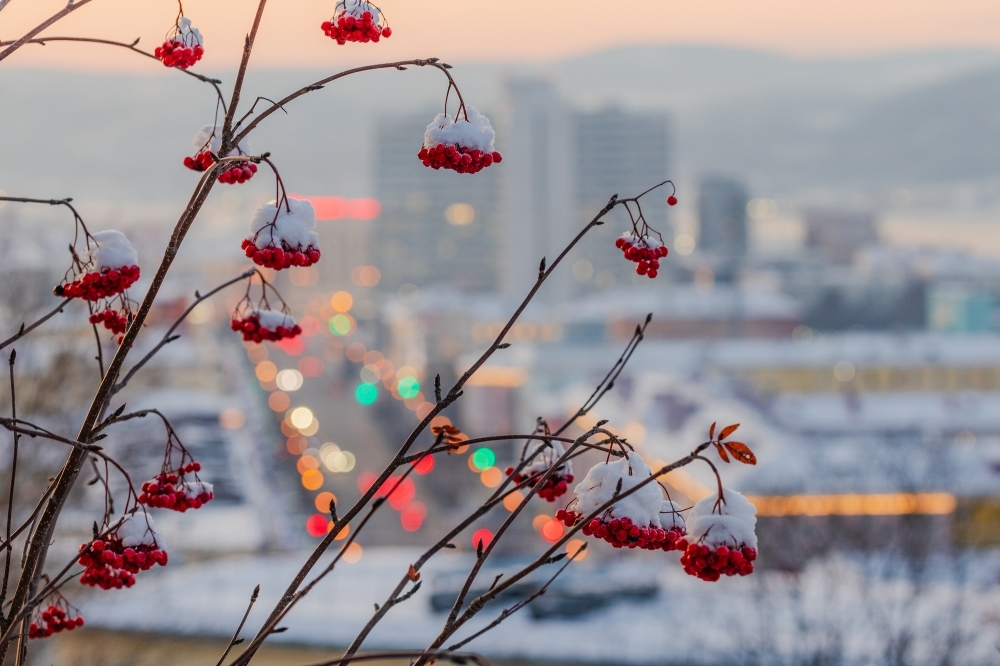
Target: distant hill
782 123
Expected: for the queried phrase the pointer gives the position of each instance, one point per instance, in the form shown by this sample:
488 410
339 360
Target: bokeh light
512 501
289 380
353 553
344 532
232 418
341 301
412 517
279 401
301 417
341 325
311 366
402 494
425 465
408 387
553 530
323 501
296 445
574 548
491 477
483 535
316 524
366 393
266 371
292 346
483 459
312 479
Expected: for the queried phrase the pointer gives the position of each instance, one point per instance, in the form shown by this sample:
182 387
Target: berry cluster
279 258
646 252
53 620
253 331
175 53
94 286
554 487
240 173
108 564
164 492
200 162
707 564
623 533
114 321
458 158
348 28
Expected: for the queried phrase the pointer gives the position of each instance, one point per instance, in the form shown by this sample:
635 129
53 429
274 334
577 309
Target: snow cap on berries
272 319
194 488
138 530
190 36
671 516
598 487
292 230
734 527
476 133
357 8
548 456
214 132
639 241
113 251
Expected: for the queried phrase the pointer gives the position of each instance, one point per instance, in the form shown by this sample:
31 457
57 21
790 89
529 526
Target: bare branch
236 636
66 11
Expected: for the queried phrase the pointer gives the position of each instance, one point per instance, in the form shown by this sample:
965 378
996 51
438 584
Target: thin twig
236 636
68 9
169 336
25 329
13 479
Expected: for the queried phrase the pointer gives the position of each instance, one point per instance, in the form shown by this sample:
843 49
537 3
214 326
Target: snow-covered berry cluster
111 562
644 251
635 521
177 490
184 49
556 485
260 325
723 541
208 142
462 145
356 21
113 320
52 620
113 269
283 235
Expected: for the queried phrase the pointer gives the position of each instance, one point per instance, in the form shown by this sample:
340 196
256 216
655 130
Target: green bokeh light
483 459
408 387
340 325
366 393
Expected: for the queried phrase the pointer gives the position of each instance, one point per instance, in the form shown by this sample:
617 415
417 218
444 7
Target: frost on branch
545 456
110 267
112 560
183 46
634 521
207 142
356 21
283 235
260 325
464 145
723 541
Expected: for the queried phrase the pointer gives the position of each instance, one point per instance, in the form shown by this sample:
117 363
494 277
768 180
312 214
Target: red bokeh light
402 495
311 366
425 465
482 534
292 346
365 481
339 208
412 517
310 326
552 531
316 525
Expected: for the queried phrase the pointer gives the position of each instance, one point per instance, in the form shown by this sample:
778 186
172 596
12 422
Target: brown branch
227 144
441 655
13 479
235 640
131 47
24 330
66 11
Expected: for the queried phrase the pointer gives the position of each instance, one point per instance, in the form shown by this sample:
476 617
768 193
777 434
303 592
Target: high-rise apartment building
436 227
722 217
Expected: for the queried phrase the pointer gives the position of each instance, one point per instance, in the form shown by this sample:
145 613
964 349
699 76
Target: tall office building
722 217
436 227
536 185
618 152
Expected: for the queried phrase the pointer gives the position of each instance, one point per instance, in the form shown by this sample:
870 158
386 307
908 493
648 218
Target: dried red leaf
413 574
711 432
741 452
728 430
722 452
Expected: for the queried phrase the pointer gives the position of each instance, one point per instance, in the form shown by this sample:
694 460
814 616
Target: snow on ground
831 609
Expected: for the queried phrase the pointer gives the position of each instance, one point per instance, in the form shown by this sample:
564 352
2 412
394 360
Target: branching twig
66 11
13 479
236 640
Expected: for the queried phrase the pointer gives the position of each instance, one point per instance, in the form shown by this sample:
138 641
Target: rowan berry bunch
58 616
112 560
257 322
208 144
723 540
554 487
113 320
645 252
544 456
106 269
238 174
464 144
623 533
356 21
202 161
710 564
283 233
183 46
177 487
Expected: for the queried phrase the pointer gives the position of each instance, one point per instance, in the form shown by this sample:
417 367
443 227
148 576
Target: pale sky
464 30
